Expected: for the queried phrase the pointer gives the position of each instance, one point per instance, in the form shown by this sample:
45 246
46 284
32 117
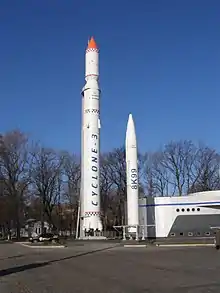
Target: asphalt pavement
105 268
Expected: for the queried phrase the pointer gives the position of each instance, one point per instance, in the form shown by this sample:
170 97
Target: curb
41 247
186 245
135 245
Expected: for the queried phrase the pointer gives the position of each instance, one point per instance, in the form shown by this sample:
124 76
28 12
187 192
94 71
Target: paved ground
130 270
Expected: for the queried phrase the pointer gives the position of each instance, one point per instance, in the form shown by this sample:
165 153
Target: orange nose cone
92 44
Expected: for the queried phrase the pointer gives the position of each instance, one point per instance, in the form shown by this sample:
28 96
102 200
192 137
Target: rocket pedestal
90 188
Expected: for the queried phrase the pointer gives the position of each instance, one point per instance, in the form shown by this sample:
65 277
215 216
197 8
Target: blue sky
159 60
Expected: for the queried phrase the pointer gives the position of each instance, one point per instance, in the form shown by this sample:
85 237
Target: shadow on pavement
11 257
18 269
5 242
21 268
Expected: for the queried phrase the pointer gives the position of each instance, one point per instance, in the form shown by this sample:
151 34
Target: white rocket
90 141
132 175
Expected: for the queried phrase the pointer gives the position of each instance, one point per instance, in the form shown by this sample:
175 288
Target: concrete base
186 245
135 245
185 240
132 242
41 246
92 238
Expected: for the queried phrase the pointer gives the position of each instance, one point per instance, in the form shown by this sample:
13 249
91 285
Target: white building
182 216
35 227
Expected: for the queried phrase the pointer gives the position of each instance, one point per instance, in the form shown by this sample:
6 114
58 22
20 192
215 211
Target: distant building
33 226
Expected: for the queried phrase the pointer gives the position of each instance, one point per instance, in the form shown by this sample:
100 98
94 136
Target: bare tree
177 159
145 163
117 175
160 175
6 205
15 173
47 180
72 192
106 192
156 176
53 180
206 170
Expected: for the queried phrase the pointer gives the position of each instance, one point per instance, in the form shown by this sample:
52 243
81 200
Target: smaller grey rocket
132 175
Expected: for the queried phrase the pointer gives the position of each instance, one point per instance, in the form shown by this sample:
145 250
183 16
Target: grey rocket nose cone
130 132
130 124
130 117
130 120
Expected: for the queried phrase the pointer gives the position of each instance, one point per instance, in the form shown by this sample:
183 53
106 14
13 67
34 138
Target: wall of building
191 215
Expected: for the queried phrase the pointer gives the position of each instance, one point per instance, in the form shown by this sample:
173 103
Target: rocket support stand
137 238
124 231
78 221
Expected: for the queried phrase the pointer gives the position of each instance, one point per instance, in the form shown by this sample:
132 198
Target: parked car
44 237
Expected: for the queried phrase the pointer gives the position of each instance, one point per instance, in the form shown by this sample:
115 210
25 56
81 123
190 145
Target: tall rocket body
132 175
90 142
